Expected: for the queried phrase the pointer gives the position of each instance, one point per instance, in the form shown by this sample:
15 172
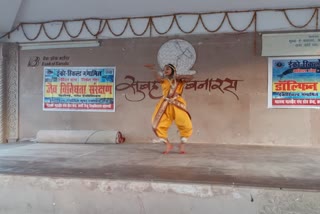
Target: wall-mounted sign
291 44
35 61
294 82
79 89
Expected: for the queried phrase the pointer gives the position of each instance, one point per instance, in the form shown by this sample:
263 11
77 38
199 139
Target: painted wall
80 196
236 115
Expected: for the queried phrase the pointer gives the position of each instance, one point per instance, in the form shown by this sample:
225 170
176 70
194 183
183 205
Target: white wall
265 21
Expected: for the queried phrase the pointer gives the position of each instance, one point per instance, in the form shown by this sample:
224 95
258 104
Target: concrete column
11 93
2 95
8 92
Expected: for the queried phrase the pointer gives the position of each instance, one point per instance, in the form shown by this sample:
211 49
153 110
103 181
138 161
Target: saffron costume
171 107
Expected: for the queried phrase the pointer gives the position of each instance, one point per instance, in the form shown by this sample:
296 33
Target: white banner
291 44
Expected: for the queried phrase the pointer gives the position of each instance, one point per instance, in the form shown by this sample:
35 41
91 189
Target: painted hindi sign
294 82
79 89
291 44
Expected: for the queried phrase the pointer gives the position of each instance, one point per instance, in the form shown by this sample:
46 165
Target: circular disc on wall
179 53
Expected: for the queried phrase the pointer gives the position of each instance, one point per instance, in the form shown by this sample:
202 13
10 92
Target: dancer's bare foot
169 147
181 148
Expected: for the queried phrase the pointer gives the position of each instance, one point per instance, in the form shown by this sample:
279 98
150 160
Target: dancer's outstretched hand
150 66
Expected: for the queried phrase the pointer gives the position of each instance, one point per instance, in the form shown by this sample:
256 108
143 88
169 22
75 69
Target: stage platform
84 175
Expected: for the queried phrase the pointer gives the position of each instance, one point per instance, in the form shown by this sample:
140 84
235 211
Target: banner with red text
79 89
294 82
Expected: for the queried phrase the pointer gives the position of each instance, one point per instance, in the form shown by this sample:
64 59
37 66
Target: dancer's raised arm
184 78
158 74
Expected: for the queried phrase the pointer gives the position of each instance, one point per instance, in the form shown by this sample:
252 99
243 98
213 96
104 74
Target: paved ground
240 165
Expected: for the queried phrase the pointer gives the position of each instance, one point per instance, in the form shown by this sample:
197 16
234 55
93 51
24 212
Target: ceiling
13 12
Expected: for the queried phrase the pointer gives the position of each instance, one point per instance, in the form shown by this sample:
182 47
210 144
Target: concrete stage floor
238 165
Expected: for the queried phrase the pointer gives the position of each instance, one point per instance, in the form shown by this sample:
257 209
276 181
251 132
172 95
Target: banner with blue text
294 82
79 89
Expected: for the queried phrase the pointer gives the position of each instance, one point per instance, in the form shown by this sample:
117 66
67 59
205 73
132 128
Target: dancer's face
167 70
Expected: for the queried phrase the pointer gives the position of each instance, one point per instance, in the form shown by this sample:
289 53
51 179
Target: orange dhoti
171 108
